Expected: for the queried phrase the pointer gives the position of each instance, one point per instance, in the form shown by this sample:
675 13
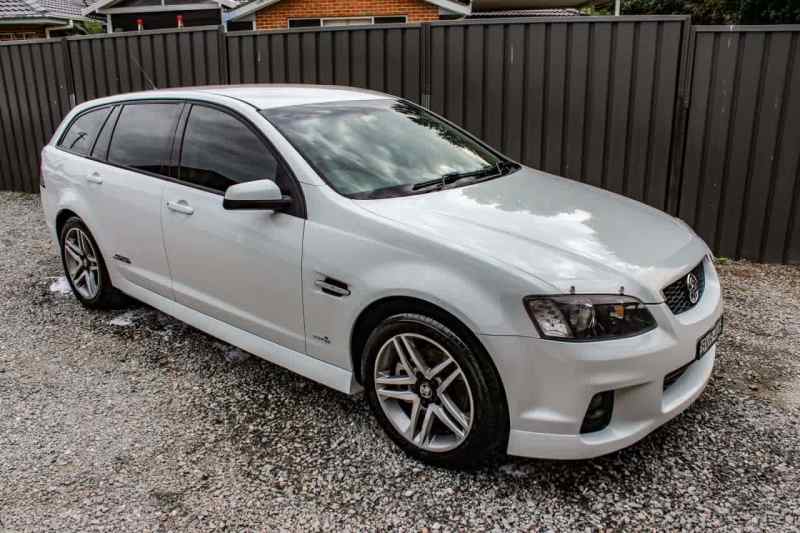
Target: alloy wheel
82 264
423 392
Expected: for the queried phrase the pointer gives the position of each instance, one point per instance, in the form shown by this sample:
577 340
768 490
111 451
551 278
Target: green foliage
715 11
93 26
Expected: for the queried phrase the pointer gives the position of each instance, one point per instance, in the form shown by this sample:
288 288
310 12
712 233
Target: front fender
486 300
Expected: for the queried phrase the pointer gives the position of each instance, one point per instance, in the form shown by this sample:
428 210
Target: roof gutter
22 21
67 26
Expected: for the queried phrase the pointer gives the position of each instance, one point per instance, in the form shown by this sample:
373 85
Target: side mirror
259 194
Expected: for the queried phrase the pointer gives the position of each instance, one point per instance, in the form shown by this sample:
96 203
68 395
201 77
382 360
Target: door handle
181 207
94 177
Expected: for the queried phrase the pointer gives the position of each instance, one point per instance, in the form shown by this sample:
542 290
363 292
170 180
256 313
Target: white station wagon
364 242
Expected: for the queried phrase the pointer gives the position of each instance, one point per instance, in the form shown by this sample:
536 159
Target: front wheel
436 398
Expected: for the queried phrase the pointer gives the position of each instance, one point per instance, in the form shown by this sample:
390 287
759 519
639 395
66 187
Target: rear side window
219 150
83 131
143 136
100 150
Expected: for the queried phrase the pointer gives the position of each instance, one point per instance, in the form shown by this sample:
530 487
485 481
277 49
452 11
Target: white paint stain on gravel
129 318
61 286
232 354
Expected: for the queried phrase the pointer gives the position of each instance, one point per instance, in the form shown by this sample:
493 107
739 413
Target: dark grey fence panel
742 159
33 100
382 58
104 65
697 121
593 99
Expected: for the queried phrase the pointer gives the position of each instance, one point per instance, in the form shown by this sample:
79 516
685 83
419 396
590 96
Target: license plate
709 339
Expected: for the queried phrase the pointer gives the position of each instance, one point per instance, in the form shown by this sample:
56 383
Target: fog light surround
598 414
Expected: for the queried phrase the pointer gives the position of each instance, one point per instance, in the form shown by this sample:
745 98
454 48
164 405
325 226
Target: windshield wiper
453 177
498 169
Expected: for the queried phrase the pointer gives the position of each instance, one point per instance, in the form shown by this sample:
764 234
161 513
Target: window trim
299 205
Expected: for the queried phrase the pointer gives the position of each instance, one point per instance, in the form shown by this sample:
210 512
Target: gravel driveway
130 420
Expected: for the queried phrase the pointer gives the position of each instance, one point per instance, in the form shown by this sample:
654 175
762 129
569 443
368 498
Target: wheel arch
61 218
379 310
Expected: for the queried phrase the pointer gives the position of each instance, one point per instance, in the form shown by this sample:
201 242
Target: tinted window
373 148
100 150
83 131
143 136
220 151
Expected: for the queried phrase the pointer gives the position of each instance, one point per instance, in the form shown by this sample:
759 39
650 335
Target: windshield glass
380 148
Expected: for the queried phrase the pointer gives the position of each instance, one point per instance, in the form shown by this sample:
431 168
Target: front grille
676 294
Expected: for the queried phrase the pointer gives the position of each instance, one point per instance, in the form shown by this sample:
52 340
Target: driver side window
219 150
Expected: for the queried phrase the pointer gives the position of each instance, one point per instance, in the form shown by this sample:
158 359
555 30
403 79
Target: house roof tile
23 9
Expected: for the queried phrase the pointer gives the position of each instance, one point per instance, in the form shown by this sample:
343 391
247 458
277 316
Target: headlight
588 317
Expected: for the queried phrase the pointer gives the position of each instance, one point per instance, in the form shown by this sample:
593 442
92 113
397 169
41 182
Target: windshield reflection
378 148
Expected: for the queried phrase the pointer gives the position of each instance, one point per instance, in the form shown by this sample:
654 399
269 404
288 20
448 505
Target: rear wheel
84 267
436 398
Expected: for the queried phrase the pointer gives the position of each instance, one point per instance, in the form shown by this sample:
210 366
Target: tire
104 295
476 392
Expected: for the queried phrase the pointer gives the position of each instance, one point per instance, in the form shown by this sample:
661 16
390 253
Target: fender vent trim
333 287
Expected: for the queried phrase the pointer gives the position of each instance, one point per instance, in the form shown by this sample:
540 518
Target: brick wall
13 33
277 16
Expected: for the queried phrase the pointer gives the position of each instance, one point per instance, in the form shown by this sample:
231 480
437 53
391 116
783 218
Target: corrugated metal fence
693 120
740 183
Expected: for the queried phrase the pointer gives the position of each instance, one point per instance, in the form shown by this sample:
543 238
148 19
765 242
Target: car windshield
383 148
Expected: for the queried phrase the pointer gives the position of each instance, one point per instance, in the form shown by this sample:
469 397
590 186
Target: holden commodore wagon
367 244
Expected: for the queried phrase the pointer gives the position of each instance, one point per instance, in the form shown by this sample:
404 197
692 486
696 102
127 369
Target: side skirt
309 367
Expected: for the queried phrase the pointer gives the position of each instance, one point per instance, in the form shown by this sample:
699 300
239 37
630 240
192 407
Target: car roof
265 96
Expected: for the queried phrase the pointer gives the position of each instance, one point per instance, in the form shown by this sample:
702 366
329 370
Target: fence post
69 73
425 64
680 123
224 78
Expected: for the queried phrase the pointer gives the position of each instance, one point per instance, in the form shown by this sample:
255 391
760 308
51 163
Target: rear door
75 167
240 267
139 156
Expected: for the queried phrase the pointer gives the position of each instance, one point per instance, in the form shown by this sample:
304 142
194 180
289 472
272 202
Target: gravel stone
131 420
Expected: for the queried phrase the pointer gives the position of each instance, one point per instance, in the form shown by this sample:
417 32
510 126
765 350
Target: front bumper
549 384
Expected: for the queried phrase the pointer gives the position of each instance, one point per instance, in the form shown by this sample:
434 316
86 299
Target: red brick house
277 14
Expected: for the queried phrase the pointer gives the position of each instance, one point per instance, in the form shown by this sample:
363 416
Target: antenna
146 77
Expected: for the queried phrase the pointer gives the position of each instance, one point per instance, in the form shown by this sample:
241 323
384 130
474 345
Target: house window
305 23
391 20
346 21
240 25
355 21
18 36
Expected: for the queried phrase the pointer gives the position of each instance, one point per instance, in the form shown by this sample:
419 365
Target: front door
240 267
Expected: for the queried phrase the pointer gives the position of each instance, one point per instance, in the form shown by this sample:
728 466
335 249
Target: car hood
564 233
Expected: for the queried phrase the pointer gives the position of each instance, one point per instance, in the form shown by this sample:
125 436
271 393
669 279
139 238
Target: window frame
59 143
298 208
